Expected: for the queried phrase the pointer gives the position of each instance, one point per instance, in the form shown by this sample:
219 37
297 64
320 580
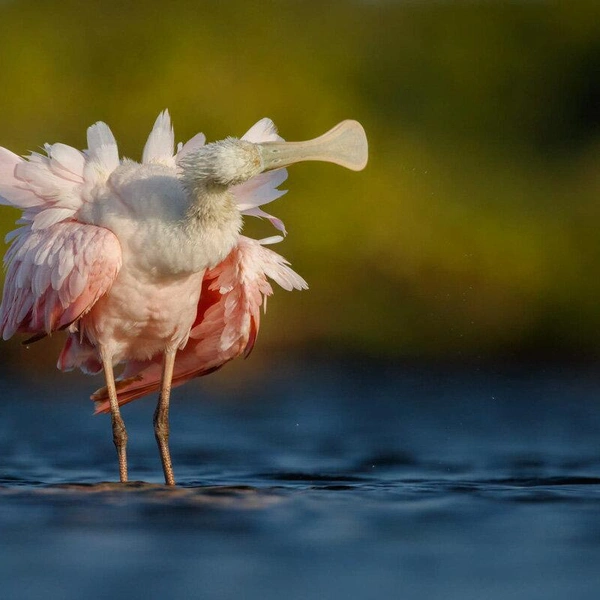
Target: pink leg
118 426
161 417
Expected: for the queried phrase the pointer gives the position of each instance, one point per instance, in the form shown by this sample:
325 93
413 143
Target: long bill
345 145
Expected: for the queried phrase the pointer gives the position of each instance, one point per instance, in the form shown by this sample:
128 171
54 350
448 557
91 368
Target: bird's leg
118 426
161 416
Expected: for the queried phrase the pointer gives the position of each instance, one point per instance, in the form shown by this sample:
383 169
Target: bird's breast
138 319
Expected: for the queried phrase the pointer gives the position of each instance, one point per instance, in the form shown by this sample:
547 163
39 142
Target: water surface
326 481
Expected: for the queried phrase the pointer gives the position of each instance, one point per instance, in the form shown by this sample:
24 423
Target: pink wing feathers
226 325
55 275
56 266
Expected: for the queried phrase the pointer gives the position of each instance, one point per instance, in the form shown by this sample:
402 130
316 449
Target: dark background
471 236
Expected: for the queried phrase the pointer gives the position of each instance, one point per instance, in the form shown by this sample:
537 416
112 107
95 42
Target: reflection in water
140 493
337 483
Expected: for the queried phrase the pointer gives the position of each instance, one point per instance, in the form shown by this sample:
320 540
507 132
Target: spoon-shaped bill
345 145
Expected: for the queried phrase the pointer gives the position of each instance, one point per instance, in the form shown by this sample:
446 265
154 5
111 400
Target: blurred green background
471 236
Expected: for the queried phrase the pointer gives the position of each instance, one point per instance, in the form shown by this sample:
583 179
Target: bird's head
232 161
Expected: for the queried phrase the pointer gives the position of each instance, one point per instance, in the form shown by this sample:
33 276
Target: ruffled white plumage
59 265
159 147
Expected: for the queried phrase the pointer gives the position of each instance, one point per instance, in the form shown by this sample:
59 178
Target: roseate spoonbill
144 264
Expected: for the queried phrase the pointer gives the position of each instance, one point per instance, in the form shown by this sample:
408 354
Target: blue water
341 480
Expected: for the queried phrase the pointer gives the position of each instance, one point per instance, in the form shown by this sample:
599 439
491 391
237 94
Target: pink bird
143 263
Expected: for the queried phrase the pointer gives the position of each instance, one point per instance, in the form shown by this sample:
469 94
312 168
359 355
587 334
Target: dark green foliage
472 233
